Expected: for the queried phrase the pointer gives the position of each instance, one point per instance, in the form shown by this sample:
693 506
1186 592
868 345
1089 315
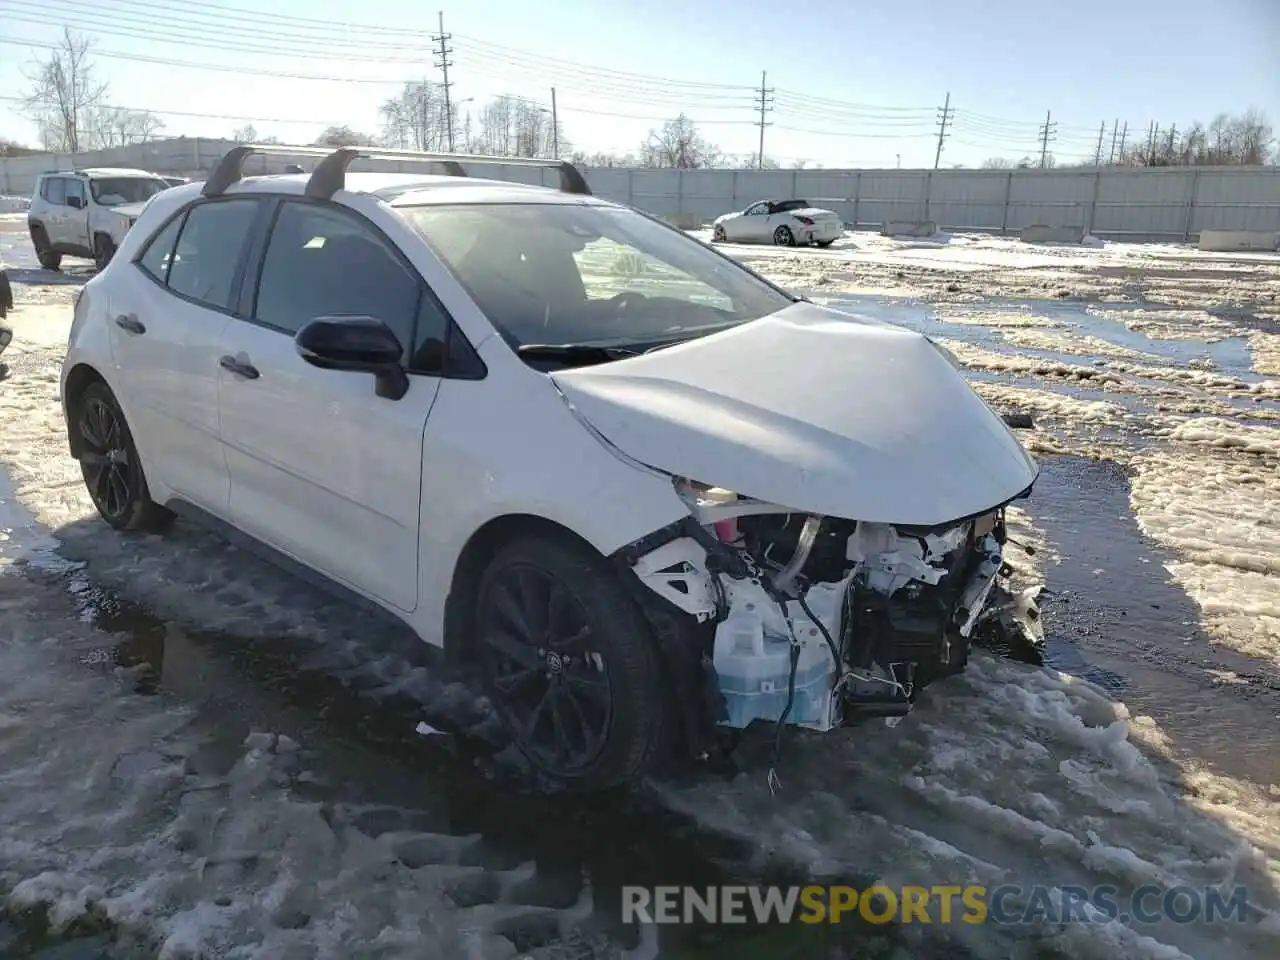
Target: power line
944 116
765 102
1047 133
444 63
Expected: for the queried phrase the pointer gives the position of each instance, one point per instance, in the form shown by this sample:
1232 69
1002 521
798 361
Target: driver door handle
127 321
246 370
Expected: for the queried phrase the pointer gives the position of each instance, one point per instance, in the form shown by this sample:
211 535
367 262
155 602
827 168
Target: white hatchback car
786 223
651 496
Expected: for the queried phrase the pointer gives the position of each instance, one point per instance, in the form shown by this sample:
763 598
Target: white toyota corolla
650 496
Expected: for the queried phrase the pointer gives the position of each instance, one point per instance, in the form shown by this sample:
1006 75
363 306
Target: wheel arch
77 380
681 641
475 555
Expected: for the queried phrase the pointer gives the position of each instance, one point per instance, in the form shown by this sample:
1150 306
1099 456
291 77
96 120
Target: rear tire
571 664
783 237
110 465
718 234
825 243
47 258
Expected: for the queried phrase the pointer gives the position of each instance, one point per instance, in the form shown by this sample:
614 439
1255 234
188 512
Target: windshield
572 274
113 191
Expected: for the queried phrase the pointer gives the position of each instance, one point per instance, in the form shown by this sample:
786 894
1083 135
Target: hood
819 411
131 210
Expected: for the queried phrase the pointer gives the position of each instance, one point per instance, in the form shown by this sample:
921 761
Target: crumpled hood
815 410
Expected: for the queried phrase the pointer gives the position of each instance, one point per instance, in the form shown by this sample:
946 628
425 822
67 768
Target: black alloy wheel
110 466
551 683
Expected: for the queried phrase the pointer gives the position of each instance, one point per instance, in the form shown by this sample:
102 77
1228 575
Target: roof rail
330 174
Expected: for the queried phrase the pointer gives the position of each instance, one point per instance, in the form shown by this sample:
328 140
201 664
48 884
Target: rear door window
207 256
55 190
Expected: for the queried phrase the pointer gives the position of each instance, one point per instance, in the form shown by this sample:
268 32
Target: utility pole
1097 154
1124 135
765 103
1151 139
1047 133
555 127
944 118
1173 140
444 63
1115 129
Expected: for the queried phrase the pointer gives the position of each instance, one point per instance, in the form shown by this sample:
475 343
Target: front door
75 227
321 467
168 311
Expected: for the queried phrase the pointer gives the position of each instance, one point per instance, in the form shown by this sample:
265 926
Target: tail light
807 221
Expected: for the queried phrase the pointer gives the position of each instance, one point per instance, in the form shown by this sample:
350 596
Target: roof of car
114 172
403 189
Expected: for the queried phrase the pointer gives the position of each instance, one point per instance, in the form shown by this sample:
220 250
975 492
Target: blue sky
854 83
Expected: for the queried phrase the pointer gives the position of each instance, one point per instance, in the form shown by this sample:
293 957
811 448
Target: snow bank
1051 405
1265 348
1075 344
1214 498
15 204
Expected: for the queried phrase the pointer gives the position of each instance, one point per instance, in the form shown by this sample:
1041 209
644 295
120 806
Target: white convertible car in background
786 223
649 496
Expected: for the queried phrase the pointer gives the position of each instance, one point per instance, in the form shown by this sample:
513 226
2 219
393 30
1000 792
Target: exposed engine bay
813 621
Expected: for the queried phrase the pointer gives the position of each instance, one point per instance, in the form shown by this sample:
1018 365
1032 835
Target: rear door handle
246 370
127 321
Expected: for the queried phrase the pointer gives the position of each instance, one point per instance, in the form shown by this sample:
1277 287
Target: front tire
104 248
570 664
110 465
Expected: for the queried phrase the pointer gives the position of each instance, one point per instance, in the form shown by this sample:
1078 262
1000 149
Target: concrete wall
1168 204
1238 240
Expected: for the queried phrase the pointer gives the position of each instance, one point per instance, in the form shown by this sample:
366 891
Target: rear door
168 310
321 467
54 192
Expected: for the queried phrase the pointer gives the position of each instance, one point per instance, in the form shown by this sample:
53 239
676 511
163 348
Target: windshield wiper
574 353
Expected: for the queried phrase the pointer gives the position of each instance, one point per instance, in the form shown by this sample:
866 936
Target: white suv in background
86 213
646 492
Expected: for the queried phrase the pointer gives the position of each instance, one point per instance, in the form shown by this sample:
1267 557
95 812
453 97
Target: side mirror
356 345
74 203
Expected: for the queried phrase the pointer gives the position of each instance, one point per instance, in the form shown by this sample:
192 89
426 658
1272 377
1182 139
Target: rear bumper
824 231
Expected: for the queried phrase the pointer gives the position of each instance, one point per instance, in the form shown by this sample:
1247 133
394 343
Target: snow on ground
1007 773
1214 496
9 206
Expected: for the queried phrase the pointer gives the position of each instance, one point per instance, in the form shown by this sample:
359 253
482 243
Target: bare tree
997 163
510 127
602 159
118 127
64 95
678 144
343 136
415 118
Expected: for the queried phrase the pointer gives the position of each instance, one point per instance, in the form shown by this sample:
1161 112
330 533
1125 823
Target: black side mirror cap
356 345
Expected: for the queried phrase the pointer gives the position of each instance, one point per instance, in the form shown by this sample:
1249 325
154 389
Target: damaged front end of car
815 621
